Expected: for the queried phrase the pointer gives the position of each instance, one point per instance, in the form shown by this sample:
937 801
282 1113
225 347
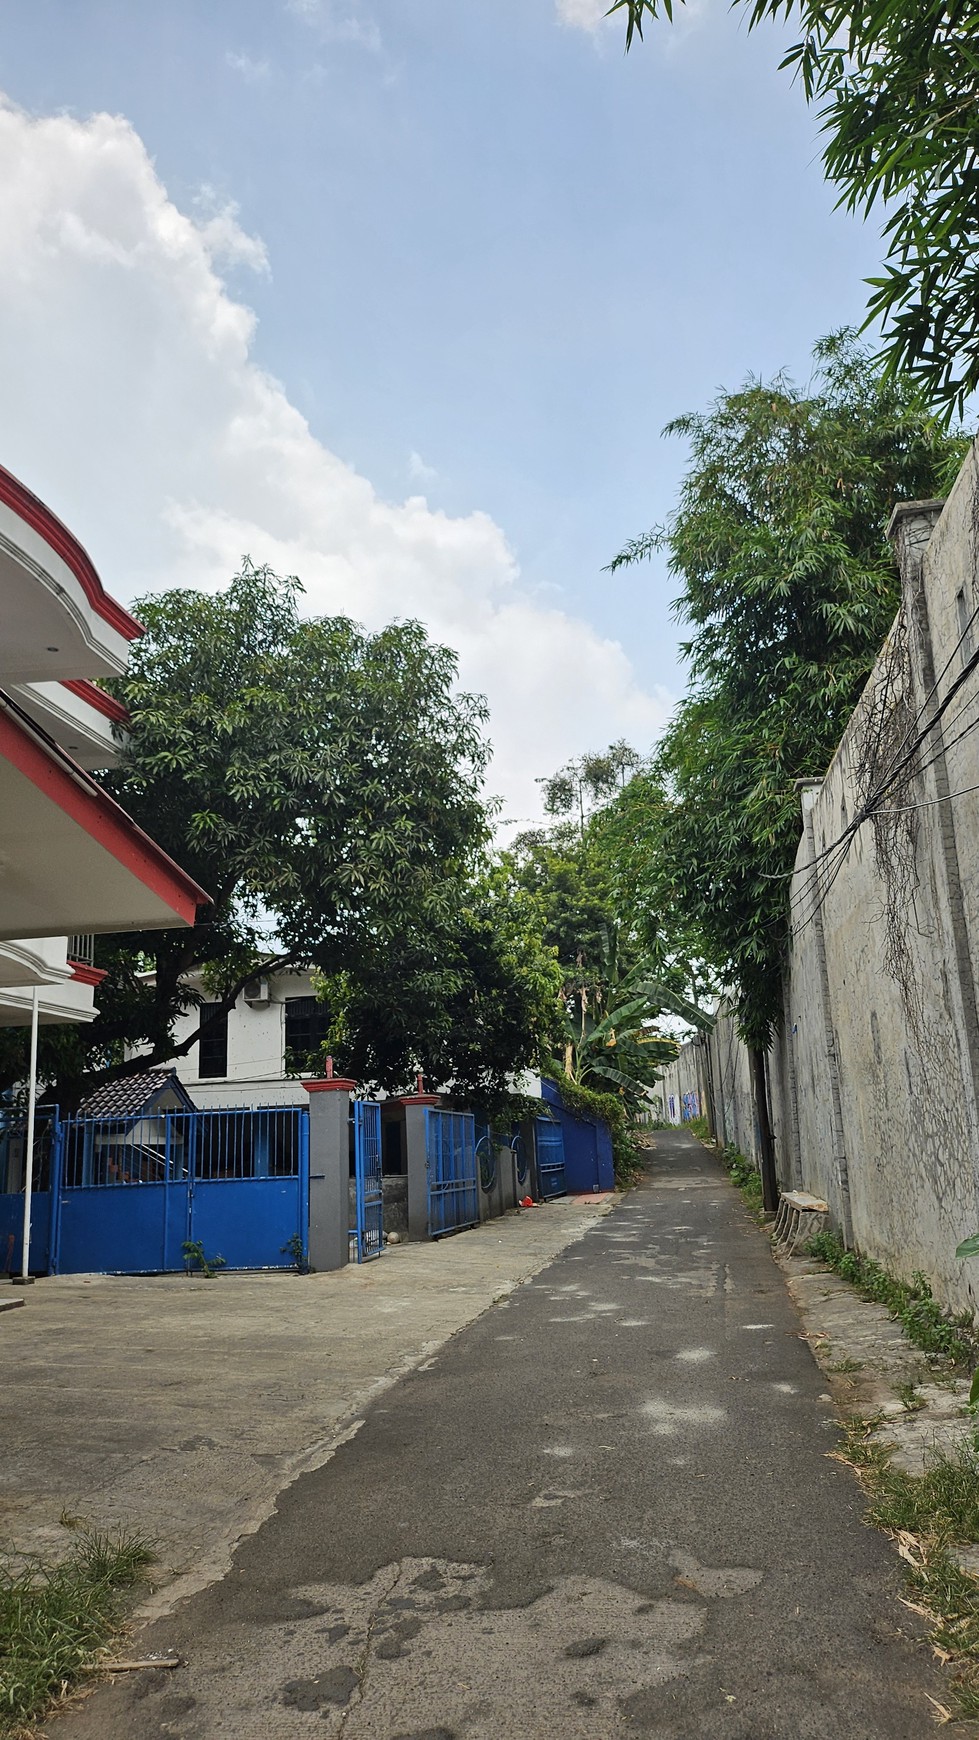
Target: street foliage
787 586
896 83
616 971
325 786
912 1303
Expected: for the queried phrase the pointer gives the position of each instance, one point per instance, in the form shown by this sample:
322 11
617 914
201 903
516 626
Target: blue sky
489 256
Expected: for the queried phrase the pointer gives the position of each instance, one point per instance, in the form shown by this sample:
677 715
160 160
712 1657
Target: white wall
256 1052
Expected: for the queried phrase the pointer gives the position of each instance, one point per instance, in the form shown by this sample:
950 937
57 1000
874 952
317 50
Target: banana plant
616 1048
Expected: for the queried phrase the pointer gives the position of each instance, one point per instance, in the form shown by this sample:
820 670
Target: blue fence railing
126 1195
367 1235
172 1147
453 1186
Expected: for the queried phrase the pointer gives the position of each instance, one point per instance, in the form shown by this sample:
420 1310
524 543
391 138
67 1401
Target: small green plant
845 1365
744 1173
911 1302
295 1249
54 1620
912 1401
698 1127
194 1254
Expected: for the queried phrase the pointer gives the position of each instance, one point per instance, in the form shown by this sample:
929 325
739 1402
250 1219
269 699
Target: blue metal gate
125 1194
450 1157
13 1142
550 1158
368 1234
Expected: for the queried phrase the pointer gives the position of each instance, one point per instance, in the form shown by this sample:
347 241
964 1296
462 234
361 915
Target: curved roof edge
33 512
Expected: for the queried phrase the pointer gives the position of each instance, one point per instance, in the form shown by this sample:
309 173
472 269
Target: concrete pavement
606 1509
180 1406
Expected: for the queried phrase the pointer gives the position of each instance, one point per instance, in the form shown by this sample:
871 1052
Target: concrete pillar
329 1171
528 1131
416 1161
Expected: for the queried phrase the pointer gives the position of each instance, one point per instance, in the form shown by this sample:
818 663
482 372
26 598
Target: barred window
212 1047
307 1028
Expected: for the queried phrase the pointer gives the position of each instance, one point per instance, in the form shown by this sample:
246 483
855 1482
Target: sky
398 296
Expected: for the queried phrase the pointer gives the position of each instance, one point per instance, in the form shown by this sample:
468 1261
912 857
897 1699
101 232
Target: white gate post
329 1170
416 1162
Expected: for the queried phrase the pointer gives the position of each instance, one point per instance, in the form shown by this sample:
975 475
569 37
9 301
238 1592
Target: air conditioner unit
257 993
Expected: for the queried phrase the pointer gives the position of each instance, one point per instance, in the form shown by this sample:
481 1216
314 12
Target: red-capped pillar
416 1162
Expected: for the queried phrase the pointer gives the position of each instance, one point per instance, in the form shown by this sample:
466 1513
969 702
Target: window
307 1028
212 1047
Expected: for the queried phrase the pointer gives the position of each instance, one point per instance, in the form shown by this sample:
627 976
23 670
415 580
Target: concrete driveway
604 1512
181 1406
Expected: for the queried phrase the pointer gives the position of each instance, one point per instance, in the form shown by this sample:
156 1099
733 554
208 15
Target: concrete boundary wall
874 1076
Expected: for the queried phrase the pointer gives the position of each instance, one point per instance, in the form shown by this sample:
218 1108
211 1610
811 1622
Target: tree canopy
788 587
324 785
897 84
619 966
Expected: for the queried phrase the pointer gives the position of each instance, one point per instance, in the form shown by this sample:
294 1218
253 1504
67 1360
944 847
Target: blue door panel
550 1158
12 1232
247 1221
450 1159
114 1229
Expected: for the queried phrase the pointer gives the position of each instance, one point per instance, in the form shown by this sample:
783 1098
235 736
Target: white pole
25 1271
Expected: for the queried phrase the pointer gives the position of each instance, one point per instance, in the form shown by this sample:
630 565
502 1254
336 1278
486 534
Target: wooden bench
799 1217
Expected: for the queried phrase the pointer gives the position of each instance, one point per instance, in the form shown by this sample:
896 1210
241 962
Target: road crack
362 1664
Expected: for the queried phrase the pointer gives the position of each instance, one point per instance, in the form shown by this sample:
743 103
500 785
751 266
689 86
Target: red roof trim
97 698
85 974
33 512
67 785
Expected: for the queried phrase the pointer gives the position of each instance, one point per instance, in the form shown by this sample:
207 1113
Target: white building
72 863
257 1053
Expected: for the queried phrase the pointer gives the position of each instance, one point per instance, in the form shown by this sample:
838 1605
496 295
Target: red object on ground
526 1202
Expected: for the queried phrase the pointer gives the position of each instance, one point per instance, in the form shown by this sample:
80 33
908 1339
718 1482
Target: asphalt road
605 1509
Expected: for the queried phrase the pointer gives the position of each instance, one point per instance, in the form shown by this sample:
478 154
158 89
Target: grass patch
697 1127
911 1302
745 1174
927 1517
54 1620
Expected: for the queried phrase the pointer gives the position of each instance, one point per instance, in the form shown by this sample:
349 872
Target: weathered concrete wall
874 1078
680 1090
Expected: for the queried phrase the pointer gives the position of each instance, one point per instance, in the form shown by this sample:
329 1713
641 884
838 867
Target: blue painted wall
587 1147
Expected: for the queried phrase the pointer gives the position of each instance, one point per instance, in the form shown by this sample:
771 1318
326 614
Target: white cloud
226 242
254 72
132 403
418 471
338 23
583 14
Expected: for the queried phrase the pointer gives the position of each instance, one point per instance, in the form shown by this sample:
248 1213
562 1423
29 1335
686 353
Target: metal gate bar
133 1190
550 1158
450 1156
368 1234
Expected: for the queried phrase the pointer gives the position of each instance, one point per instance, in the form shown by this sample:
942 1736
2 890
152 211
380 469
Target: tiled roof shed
149 1091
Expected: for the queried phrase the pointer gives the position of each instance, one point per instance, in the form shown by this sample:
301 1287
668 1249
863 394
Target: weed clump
928 1516
911 1302
54 1619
